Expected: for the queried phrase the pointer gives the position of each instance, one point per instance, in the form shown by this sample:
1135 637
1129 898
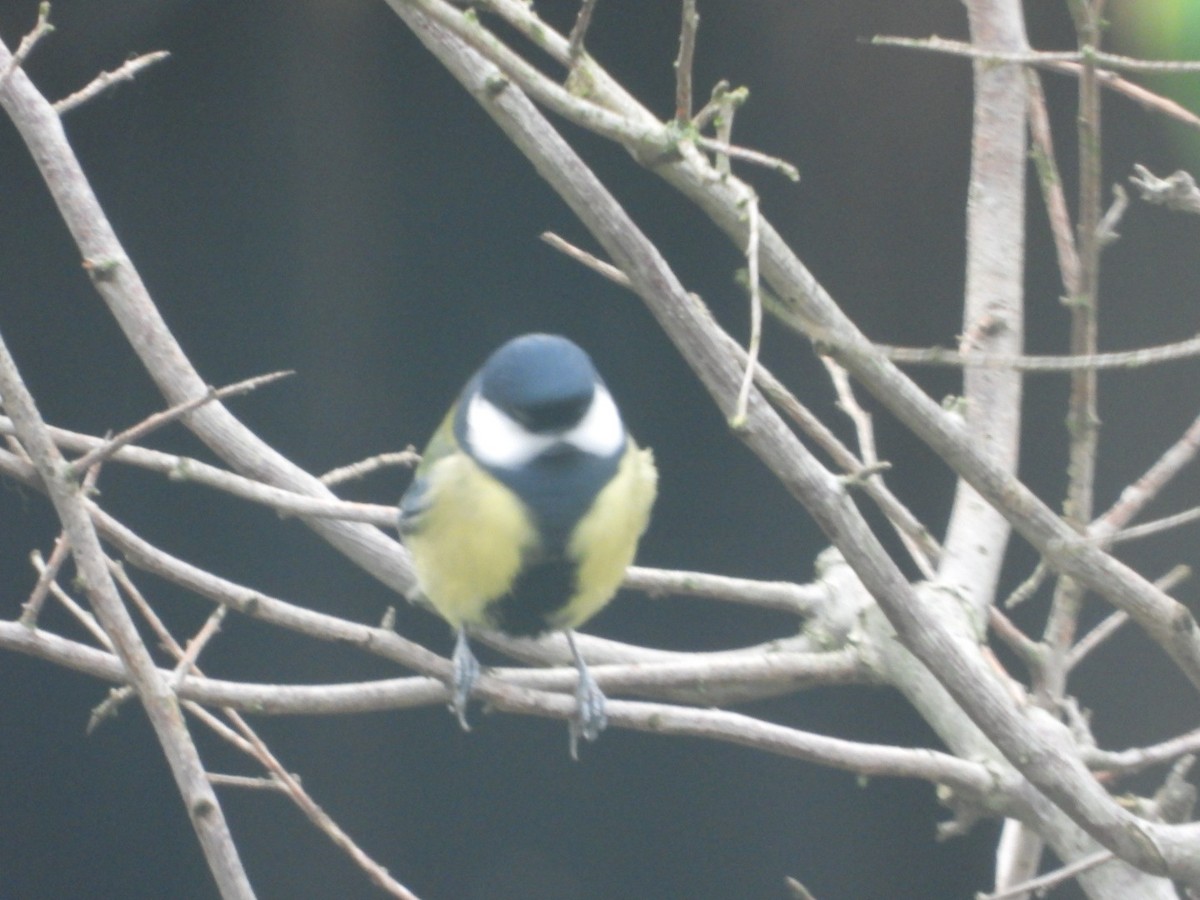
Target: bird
527 507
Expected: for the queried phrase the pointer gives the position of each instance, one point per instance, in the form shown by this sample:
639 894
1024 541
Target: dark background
302 186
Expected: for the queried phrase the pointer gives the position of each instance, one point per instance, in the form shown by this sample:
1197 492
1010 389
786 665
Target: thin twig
1156 526
1050 181
1044 883
161 706
139 602
727 106
200 640
250 741
188 469
29 41
1113 622
1020 643
755 345
1147 99
1121 359
1029 586
102 82
720 108
724 148
1138 495
1083 420
81 615
1106 230
1037 57
848 404
406 458
1138 759
246 782
796 890
597 265
215 723
798 599
683 62
378 875
243 736
158 420
579 30
47 573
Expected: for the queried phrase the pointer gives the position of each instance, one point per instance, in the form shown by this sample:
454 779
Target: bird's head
538 393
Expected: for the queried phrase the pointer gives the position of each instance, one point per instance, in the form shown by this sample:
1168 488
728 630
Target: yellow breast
605 540
471 541
474 535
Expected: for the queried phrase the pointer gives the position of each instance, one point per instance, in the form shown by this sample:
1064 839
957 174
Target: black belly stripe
540 591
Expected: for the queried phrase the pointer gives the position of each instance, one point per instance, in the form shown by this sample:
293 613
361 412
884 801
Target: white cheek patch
600 431
498 440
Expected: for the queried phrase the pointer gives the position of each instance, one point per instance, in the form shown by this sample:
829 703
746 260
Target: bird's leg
466 671
589 718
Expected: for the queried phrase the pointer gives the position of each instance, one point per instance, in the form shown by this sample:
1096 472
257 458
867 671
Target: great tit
527 507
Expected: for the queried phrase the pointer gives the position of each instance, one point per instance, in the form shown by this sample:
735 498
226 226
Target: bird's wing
417 498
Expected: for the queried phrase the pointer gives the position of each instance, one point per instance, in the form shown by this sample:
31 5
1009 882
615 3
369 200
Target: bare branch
683 62
186 469
1155 103
993 308
1123 359
800 600
752 351
47 573
1051 880
1130 762
1029 650
29 41
1034 747
1112 623
1083 420
1037 57
1029 586
161 707
866 759
579 31
720 109
1106 230
1072 63
81 615
158 420
1050 181
726 149
245 782
1157 526
406 458
127 71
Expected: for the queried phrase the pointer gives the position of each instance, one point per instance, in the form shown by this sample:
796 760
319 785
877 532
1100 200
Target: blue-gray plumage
528 506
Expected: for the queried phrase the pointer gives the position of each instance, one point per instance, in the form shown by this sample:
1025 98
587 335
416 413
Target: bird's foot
466 673
589 718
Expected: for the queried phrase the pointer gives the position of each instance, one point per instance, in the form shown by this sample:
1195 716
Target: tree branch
162 709
1033 745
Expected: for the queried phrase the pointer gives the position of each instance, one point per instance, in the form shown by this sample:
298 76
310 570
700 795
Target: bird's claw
589 718
466 673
